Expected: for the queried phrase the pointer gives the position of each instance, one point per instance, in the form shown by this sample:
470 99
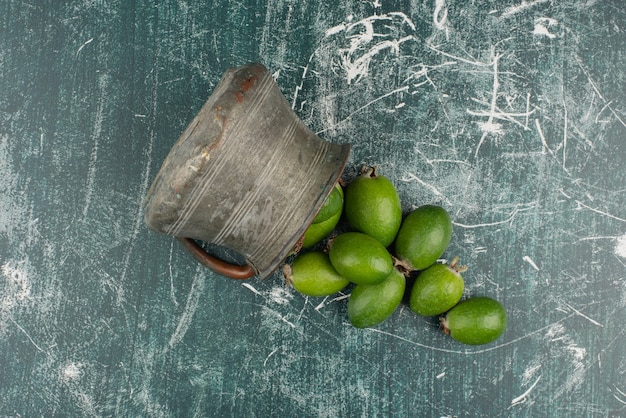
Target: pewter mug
246 174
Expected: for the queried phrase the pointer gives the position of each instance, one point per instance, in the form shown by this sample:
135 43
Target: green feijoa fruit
317 232
475 321
371 304
360 258
424 236
312 274
372 206
437 289
332 205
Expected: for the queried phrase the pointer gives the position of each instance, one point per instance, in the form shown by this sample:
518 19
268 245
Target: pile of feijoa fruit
378 252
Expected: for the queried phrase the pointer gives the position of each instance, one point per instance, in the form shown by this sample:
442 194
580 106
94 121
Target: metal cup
246 174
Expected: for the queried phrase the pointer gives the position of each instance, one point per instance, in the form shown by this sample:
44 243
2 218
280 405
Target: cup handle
224 268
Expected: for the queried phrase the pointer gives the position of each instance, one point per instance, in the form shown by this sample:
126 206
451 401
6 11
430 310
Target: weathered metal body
246 174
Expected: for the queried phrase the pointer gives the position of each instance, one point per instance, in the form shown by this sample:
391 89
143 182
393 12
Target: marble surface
510 114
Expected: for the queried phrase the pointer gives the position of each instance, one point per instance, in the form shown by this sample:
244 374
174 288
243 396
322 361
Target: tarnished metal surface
246 174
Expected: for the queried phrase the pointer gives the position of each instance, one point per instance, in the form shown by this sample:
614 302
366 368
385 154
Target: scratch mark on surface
565 126
522 398
305 70
469 352
27 335
576 355
80 48
268 357
172 294
41 137
506 221
490 126
499 114
595 88
430 187
601 212
621 393
145 182
398 90
95 139
531 262
513 10
279 316
457 58
366 42
584 316
193 299
323 303
529 372
543 139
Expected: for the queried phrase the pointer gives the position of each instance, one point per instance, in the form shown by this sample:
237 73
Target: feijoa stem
403 266
369 171
288 273
297 246
454 265
443 321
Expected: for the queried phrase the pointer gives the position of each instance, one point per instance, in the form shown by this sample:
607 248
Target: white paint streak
12 212
433 189
95 139
440 17
251 288
565 126
280 295
17 286
145 183
80 48
72 371
367 41
529 372
268 357
543 139
576 355
324 302
193 299
513 10
620 247
522 397
621 393
335 30
531 262
491 127
543 25
482 225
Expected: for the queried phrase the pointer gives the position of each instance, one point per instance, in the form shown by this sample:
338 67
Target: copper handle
215 264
